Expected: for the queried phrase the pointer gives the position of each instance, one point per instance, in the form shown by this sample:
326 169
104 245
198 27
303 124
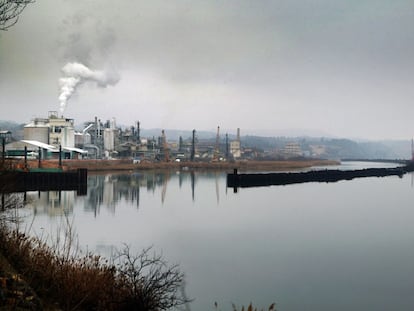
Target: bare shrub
89 282
148 282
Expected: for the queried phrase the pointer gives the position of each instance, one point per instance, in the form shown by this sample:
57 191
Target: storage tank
109 139
82 139
37 130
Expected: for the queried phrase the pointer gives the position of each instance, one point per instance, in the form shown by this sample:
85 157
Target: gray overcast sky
343 68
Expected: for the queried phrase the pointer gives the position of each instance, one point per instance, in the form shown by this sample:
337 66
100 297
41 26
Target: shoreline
127 165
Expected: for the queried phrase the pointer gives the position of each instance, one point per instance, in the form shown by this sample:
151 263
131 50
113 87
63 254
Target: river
347 245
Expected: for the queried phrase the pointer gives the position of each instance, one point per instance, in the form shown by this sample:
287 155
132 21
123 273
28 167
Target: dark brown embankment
109 165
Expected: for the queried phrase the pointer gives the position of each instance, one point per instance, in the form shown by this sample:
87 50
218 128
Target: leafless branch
10 11
153 284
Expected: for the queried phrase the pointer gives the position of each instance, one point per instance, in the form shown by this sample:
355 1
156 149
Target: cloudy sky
328 67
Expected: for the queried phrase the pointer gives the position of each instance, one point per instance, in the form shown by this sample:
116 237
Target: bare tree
10 11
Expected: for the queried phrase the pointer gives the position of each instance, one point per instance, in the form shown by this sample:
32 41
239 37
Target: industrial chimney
138 132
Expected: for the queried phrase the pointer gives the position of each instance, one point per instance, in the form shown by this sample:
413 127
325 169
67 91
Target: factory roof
75 150
40 144
38 123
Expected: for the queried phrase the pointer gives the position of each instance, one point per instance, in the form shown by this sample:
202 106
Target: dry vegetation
125 164
132 282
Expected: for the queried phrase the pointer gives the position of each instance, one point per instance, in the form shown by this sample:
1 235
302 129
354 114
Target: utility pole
60 156
25 158
39 156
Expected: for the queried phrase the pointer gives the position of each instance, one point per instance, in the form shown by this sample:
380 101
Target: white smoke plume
74 74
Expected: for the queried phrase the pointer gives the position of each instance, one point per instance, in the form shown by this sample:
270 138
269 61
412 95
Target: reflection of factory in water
106 191
52 203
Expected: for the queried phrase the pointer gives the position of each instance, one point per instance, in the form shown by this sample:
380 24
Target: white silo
109 139
37 130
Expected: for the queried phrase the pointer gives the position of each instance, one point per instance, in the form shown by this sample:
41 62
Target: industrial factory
55 136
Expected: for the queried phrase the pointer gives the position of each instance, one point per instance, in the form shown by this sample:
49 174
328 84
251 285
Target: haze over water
316 246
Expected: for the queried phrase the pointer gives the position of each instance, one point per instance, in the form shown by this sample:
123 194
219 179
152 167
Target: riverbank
128 165
33 274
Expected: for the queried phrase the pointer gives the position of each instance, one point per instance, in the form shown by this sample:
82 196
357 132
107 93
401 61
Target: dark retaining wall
17 181
256 180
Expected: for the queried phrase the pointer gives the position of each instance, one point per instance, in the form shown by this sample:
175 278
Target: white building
292 150
61 132
55 131
235 149
48 135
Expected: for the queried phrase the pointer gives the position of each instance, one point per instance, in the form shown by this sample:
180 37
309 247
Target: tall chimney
193 146
138 132
238 134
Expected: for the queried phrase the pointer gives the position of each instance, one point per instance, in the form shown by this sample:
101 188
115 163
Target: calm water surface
317 246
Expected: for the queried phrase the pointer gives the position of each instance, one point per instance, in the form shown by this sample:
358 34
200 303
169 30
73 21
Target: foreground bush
130 282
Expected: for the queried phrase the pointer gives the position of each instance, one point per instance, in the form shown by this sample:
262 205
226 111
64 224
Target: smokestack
238 134
193 146
138 132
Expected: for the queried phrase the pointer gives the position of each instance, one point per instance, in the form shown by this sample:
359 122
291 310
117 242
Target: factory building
61 131
235 149
45 137
292 150
235 146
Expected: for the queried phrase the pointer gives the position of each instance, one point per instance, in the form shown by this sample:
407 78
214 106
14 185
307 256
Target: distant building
292 150
235 149
235 146
317 150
